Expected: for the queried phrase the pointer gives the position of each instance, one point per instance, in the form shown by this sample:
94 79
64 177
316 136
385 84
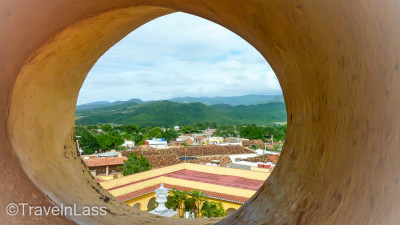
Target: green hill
166 113
233 100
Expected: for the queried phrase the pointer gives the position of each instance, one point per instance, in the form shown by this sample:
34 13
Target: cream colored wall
144 200
264 170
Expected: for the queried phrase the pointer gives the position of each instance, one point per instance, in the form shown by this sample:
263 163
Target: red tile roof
258 142
210 194
223 180
95 162
201 138
188 141
264 158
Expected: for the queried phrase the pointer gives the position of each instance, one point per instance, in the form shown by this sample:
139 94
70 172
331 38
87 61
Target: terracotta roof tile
95 162
258 142
210 194
188 141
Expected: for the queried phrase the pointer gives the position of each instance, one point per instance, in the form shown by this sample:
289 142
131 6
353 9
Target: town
226 164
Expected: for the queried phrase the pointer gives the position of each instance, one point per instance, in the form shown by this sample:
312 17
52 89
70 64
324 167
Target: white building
128 144
184 137
156 143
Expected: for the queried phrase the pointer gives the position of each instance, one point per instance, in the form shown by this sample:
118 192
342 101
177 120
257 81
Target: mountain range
168 113
233 101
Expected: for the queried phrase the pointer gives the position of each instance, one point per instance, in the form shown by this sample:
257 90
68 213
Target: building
128 144
208 132
239 157
105 166
189 141
234 140
201 140
109 154
182 138
177 128
232 187
253 143
174 143
215 140
156 143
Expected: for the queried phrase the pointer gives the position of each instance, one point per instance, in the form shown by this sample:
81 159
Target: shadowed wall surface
337 62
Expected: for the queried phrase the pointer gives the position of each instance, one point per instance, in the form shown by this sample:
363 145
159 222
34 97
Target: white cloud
178 55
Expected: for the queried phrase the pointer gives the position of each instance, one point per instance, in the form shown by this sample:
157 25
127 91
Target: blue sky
179 55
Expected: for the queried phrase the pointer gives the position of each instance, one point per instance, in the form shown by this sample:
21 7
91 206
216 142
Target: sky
178 55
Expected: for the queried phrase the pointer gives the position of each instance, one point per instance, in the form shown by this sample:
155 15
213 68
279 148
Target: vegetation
93 137
110 139
212 209
256 132
195 202
226 131
135 164
166 113
87 142
234 101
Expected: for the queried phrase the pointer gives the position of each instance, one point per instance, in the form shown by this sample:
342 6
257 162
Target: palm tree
199 198
176 201
213 209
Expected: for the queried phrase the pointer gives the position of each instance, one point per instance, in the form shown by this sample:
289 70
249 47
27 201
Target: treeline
91 138
161 113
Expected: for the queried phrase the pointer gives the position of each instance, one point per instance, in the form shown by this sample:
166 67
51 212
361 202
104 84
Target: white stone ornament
161 195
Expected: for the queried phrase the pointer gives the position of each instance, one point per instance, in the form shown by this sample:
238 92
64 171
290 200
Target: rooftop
217 182
95 162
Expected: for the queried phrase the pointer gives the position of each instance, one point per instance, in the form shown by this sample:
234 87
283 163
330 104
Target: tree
252 132
199 198
189 129
277 148
130 129
195 202
135 164
136 138
279 132
110 139
212 209
156 132
87 142
106 128
225 131
176 201
170 134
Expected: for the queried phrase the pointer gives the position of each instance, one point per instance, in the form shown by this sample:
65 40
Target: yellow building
230 186
216 140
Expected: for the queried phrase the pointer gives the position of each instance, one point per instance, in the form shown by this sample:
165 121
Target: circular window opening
186 107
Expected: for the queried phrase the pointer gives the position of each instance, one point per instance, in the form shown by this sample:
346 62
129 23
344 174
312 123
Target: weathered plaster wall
338 64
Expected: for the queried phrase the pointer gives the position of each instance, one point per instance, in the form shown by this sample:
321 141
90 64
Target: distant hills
168 113
100 104
233 101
